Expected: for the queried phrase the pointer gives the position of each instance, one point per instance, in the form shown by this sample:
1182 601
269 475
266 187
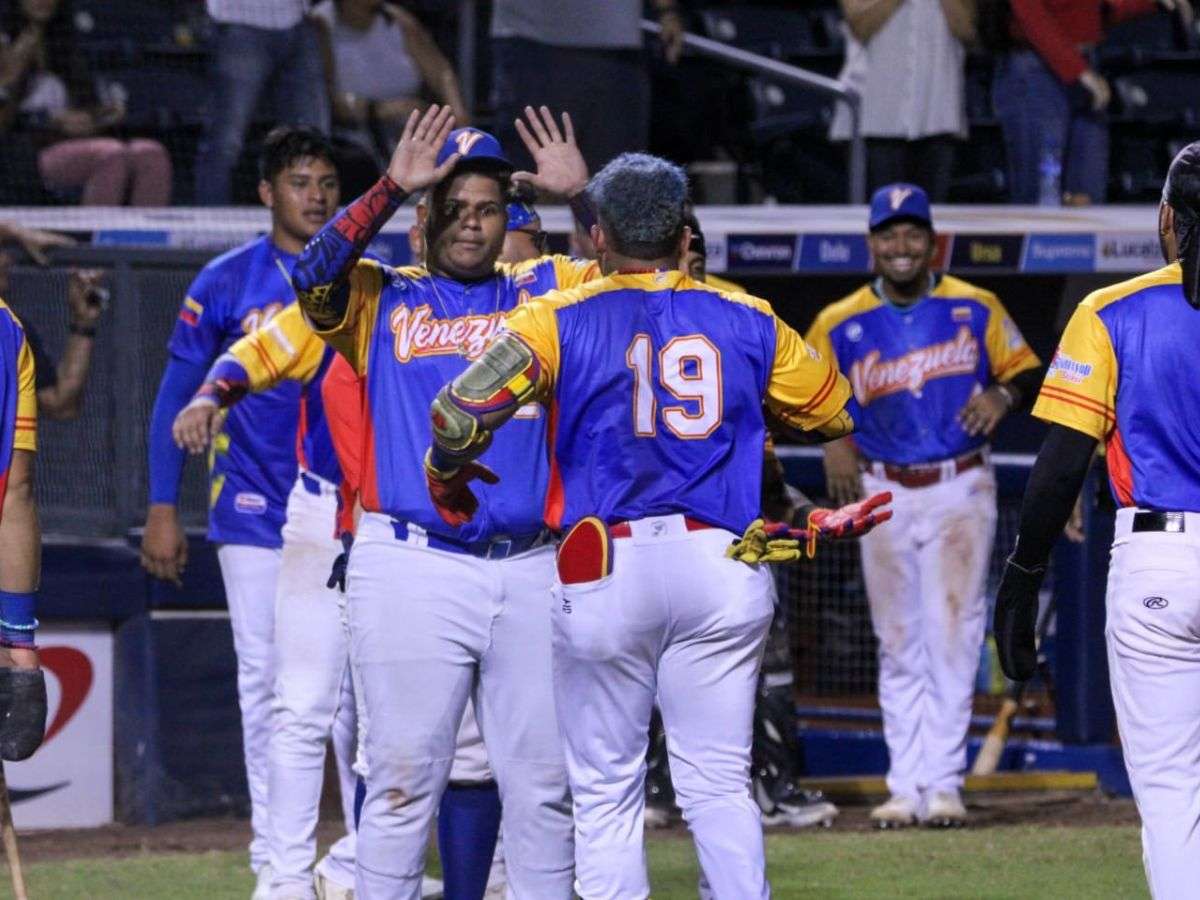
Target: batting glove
1015 622
451 493
852 520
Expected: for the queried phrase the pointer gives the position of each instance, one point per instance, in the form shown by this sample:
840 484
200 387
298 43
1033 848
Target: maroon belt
925 474
624 530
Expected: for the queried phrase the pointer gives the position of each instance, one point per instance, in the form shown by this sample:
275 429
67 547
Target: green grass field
1011 862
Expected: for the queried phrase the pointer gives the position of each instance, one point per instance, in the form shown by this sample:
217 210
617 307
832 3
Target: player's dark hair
288 144
1182 193
639 201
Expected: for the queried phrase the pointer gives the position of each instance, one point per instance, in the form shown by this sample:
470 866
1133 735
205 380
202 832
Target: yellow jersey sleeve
805 391
25 433
1080 390
536 324
1007 350
284 349
570 272
351 337
818 338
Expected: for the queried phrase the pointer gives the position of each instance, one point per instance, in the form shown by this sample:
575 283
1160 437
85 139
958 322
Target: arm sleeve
25 432
1081 383
806 392
1054 483
179 382
323 275
1055 48
1008 352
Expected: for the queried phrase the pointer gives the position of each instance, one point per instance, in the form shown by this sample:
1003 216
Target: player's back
658 401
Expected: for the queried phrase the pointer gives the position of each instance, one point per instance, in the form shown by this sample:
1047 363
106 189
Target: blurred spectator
54 114
380 61
1050 100
257 44
905 59
59 386
584 58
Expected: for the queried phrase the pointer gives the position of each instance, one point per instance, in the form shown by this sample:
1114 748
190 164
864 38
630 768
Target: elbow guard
484 396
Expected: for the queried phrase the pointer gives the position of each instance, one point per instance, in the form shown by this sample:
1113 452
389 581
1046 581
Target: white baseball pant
677 620
250 575
1153 635
428 629
311 663
925 573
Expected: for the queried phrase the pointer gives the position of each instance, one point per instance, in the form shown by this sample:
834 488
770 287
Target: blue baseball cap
899 201
521 214
474 146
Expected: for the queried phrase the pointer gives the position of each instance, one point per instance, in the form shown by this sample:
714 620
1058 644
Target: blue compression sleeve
468 822
179 383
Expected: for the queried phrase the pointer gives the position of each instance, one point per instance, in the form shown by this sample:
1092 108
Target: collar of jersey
663 278
881 294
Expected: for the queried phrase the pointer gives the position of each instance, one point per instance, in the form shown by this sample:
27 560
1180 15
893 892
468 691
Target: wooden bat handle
10 840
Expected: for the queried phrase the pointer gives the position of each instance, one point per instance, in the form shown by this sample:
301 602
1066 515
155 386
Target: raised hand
414 163
852 520
560 166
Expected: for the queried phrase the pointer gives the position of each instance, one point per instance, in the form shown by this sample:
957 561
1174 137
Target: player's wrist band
1008 394
17 621
88 331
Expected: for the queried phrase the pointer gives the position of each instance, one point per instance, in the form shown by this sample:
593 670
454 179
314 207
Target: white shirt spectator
909 75
275 15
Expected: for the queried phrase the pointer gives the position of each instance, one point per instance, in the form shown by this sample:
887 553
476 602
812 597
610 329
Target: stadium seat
1142 40
770 32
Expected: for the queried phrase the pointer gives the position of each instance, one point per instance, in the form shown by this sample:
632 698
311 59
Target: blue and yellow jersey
408 332
655 385
18 393
1121 375
287 349
254 459
914 368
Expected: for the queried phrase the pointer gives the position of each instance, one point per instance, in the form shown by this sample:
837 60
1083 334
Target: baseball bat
9 834
993 745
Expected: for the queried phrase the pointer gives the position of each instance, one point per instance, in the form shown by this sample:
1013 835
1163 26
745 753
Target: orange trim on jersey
1120 469
368 487
301 432
1012 363
555 501
1054 392
824 392
265 358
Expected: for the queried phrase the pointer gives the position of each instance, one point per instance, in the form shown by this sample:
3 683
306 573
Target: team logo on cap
897 196
466 140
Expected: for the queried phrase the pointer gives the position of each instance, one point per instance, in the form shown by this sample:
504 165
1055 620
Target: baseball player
22 683
656 386
524 239
776 751
438 613
311 646
1120 377
935 363
254 458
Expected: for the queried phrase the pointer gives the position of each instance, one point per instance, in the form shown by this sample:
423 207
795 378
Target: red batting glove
851 520
452 496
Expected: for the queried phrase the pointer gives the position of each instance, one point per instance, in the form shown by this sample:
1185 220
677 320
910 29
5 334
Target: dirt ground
198 835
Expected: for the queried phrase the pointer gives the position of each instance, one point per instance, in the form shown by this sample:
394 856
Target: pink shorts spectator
111 172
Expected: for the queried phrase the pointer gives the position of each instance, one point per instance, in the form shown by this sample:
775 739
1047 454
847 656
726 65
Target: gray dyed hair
639 200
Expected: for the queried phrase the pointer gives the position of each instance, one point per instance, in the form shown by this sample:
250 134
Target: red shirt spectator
1060 29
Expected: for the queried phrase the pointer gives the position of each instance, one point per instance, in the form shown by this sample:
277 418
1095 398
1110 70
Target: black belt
1172 522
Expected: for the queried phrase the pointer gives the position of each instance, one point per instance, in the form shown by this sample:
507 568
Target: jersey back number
689 371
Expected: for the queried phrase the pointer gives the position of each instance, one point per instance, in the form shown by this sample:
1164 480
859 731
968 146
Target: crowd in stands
152 102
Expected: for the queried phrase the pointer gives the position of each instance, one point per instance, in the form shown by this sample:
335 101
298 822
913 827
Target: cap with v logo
899 201
475 146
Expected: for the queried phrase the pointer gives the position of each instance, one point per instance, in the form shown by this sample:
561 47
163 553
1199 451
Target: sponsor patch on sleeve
250 504
1068 369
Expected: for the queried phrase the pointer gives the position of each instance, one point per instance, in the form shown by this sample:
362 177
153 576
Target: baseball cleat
262 883
897 812
328 889
801 809
946 810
